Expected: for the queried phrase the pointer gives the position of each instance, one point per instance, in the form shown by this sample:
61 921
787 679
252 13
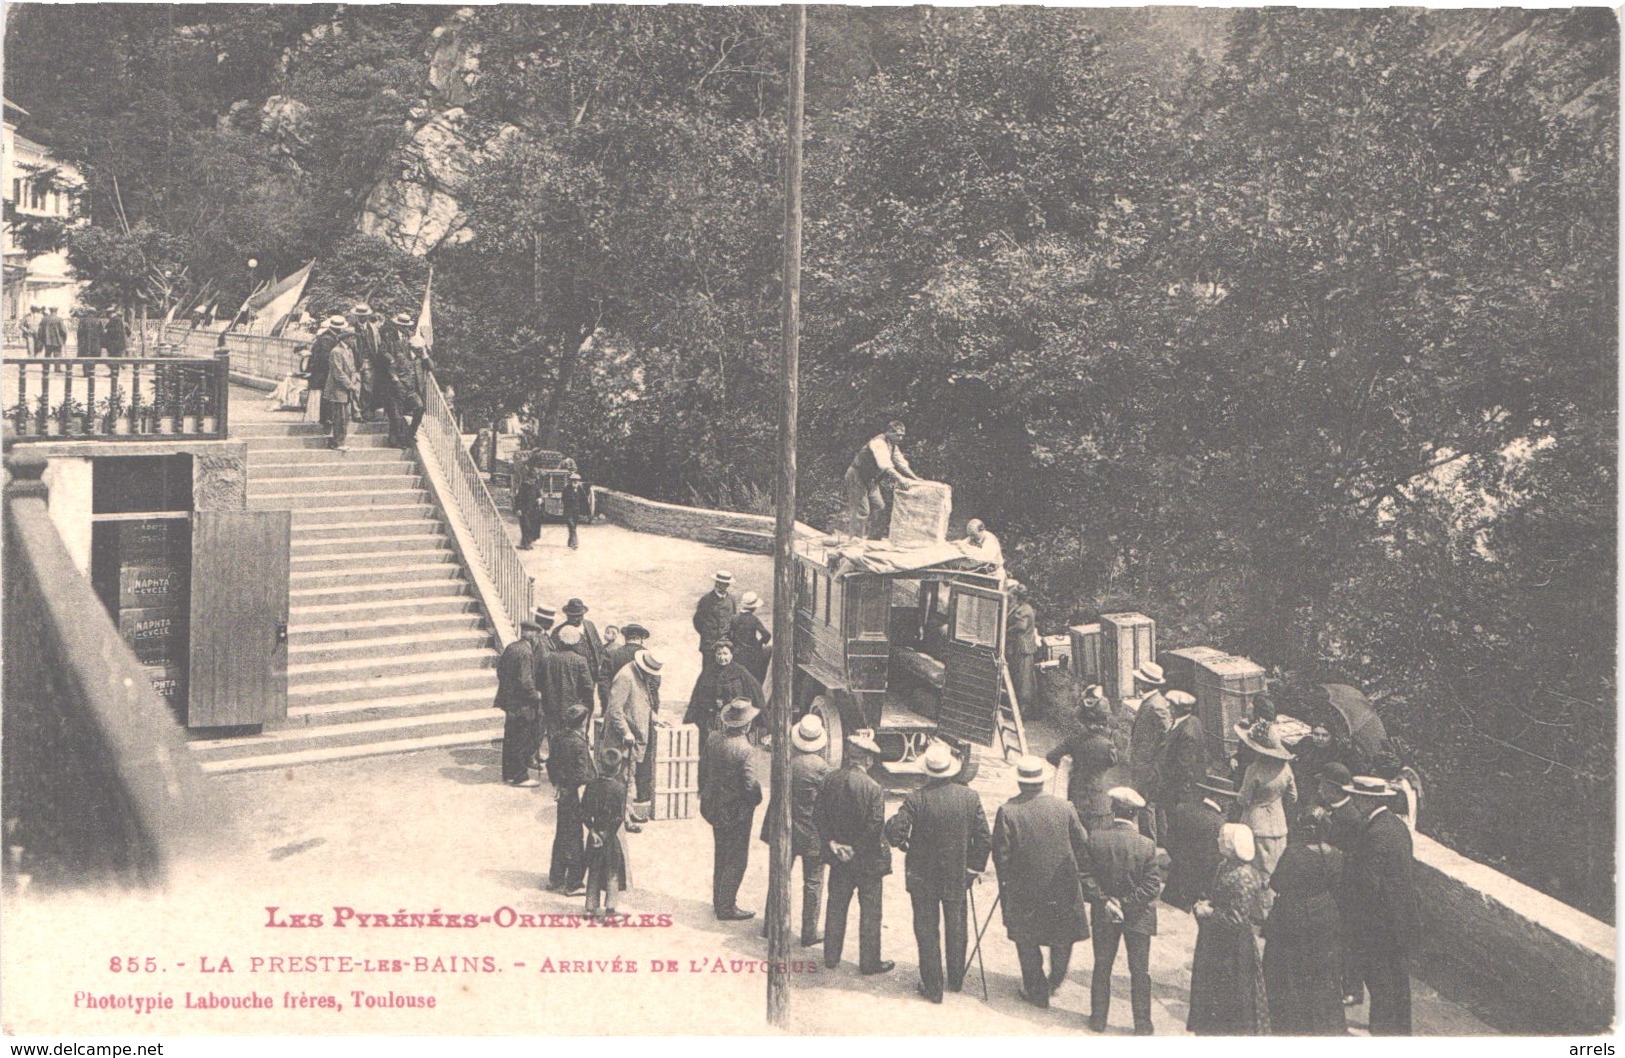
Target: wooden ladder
1010 725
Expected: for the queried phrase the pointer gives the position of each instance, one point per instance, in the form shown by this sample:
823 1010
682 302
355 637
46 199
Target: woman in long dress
1227 980
1303 951
1268 792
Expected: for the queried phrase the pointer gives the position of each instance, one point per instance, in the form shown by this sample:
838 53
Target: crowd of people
360 365
96 332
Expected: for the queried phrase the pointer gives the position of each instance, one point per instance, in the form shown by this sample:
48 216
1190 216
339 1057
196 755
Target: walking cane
976 952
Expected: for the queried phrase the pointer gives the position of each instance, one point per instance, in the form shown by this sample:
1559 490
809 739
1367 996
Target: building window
17 190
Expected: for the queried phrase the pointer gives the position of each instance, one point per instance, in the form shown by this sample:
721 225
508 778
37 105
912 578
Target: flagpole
784 571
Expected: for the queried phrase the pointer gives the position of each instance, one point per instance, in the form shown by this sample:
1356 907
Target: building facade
34 184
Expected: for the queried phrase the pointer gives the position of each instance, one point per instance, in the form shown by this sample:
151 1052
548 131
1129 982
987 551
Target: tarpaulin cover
881 556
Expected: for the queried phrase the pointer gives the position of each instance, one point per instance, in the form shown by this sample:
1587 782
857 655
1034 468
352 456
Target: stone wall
1535 964
690 523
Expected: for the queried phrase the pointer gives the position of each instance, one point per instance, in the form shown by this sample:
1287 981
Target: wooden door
239 658
971 679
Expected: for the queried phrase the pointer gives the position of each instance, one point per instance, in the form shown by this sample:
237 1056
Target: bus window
976 620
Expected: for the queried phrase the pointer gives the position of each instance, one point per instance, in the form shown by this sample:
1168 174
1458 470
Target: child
604 806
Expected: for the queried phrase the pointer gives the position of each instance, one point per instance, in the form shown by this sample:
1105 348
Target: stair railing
513 586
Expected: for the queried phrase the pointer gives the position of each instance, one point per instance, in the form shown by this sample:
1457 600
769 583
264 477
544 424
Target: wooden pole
779 938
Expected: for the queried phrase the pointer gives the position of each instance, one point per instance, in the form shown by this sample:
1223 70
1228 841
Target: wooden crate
677 772
1180 666
1126 641
1225 689
1085 653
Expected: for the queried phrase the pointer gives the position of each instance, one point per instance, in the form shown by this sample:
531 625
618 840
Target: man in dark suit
569 768
944 831
1344 822
1093 756
634 637
851 818
1383 906
1146 738
1193 842
89 334
592 644
114 337
1124 879
808 769
1040 848
518 698
750 637
729 794
1183 761
566 678
712 615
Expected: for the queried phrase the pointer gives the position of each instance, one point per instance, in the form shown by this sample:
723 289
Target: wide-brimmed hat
611 757
1370 786
750 601
1033 771
575 608
724 577
738 713
403 318
545 615
575 715
647 662
1150 672
335 321
864 739
361 309
1125 797
940 762
1261 737
1181 700
809 735
1217 784
632 630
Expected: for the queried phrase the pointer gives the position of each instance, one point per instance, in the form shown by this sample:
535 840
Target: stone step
390 649
264 452
415 590
409 554
379 576
412 623
400 705
336 611
255 429
361 479
309 744
303 674
314 532
313 547
385 688
332 464
296 446
312 500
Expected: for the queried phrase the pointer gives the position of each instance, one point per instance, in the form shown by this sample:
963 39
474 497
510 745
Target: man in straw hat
712 615
341 386
808 769
944 830
729 794
1093 756
1382 906
750 637
569 768
629 720
1125 878
518 698
366 339
1146 739
851 818
1192 841
1184 757
1040 849
1344 823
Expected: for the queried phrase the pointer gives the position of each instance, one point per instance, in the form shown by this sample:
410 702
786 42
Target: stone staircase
389 649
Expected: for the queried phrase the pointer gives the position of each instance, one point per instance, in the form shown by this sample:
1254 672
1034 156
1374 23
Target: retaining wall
690 523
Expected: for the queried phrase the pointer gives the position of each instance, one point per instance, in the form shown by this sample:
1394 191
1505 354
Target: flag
269 307
425 331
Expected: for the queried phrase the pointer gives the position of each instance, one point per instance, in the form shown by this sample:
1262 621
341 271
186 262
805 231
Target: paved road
438 831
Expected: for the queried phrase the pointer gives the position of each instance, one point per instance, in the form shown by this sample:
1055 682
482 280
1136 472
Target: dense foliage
1304 343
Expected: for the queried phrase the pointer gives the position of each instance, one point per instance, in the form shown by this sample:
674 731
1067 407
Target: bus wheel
823 707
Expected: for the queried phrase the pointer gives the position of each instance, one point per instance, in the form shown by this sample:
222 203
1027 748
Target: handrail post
222 393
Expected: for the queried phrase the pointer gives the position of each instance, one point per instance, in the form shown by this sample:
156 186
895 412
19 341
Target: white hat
1032 771
1126 795
724 577
864 739
809 735
569 635
1236 839
1181 699
750 601
1150 672
647 662
1370 786
940 762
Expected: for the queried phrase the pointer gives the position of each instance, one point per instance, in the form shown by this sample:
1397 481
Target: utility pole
784 536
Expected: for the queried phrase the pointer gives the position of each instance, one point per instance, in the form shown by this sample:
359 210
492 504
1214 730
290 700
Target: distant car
552 470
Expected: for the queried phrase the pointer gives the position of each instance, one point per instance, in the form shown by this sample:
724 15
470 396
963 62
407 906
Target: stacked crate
1225 689
1085 653
677 772
1180 666
1127 641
